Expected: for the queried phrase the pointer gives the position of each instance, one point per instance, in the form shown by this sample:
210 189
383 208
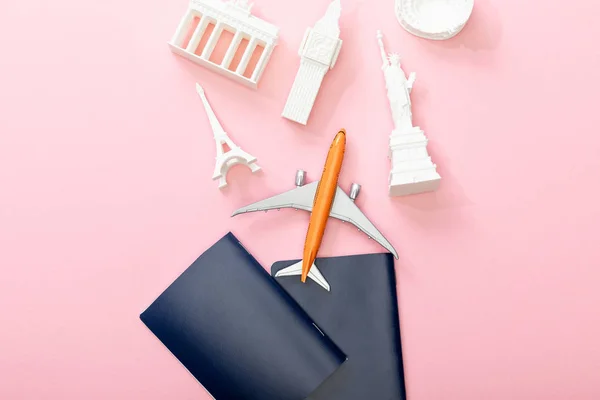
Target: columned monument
235 17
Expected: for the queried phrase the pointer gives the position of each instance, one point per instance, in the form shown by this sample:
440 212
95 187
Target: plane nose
340 137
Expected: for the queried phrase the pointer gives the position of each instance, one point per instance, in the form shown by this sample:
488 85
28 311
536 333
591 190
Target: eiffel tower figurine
225 159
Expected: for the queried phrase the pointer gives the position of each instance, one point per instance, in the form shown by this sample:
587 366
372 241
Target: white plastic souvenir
318 52
412 169
225 159
434 19
233 16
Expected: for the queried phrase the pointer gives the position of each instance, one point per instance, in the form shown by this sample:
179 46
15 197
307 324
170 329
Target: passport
238 332
361 315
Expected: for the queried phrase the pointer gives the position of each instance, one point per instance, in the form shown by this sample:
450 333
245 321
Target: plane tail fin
314 274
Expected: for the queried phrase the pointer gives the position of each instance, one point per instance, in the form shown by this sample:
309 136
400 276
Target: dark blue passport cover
360 314
238 332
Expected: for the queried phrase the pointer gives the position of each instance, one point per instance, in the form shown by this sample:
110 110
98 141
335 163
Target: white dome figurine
434 19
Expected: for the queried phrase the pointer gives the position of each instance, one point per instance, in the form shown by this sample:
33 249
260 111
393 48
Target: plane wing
301 198
343 208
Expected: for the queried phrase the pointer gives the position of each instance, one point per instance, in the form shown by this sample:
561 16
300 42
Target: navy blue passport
238 332
361 315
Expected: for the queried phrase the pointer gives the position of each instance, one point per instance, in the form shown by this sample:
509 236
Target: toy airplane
323 199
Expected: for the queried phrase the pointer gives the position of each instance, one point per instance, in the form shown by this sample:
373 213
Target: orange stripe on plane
323 201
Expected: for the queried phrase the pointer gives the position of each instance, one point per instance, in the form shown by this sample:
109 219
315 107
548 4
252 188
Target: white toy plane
305 197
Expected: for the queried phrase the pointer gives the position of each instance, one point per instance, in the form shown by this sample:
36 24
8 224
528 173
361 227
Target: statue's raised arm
382 49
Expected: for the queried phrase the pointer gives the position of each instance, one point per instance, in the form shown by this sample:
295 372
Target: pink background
106 194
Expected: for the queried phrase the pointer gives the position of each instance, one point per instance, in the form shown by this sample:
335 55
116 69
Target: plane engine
300 178
354 191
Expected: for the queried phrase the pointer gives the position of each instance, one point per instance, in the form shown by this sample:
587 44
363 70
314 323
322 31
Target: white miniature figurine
412 169
235 155
319 51
233 16
434 19
398 89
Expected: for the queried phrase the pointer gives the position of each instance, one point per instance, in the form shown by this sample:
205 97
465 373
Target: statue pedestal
412 169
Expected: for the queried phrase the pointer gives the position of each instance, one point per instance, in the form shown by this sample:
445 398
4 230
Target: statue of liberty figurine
412 168
398 89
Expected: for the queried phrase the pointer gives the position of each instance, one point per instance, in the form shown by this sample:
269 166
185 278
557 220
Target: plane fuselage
323 201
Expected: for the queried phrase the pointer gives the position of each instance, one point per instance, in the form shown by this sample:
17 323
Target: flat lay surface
106 197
